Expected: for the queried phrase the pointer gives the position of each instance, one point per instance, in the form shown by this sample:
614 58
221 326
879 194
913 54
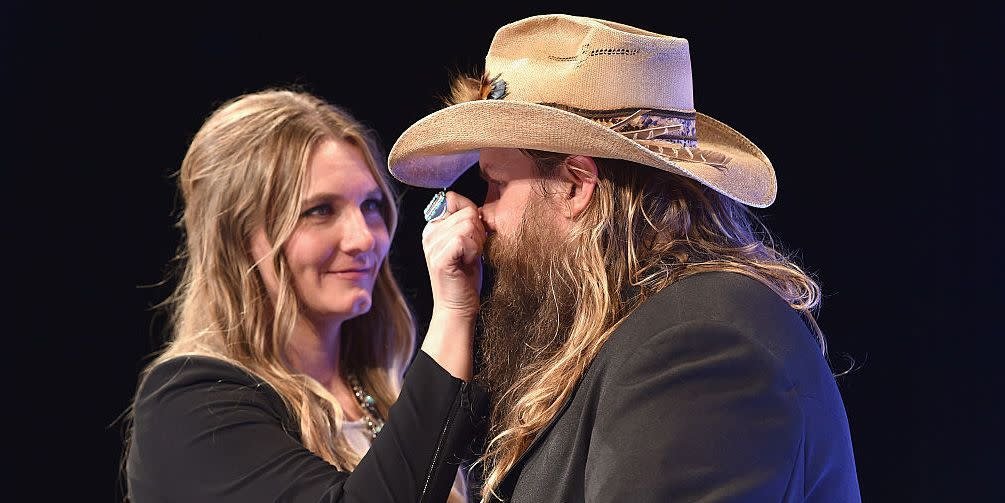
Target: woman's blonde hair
246 169
642 230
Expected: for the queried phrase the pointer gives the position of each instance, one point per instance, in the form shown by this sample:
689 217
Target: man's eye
489 180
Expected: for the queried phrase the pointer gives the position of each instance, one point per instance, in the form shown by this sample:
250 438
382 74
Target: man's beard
528 311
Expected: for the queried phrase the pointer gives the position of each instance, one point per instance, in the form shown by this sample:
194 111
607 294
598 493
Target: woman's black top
207 431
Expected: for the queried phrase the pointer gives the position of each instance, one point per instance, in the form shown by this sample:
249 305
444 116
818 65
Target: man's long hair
642 230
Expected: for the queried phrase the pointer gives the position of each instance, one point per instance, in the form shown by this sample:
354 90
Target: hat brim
440 147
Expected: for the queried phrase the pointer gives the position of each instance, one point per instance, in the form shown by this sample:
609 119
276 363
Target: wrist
454 316
450 342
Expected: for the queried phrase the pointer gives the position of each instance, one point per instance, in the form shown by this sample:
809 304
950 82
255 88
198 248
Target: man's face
529 294
513 184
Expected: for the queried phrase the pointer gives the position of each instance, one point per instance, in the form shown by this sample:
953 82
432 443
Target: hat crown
591 64
584 86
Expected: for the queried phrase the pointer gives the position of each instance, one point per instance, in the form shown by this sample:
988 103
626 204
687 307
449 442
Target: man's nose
488 208
489 217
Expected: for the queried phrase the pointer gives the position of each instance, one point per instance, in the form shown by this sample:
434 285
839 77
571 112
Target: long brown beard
527 313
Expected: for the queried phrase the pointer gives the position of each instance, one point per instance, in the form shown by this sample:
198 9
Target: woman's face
341 238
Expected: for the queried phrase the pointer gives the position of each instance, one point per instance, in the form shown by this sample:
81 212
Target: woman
290 335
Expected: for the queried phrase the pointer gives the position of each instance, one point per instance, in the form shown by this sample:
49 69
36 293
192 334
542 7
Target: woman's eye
373 205
319 211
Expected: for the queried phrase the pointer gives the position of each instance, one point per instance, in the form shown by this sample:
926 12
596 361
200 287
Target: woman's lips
353 274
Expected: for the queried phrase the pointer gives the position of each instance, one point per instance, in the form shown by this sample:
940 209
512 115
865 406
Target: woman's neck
315 351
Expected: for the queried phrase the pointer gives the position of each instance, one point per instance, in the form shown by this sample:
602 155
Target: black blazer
714 390
206 431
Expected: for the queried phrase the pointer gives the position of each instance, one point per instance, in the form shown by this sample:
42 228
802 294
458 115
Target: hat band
643 123
668 133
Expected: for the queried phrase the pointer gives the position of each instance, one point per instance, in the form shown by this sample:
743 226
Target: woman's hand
453 249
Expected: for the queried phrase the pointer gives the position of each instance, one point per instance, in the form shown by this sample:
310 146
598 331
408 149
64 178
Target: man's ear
578 175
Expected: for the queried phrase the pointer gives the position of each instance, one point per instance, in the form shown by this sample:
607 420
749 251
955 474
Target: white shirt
357 434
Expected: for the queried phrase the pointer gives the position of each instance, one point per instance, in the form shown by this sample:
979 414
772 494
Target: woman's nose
358 237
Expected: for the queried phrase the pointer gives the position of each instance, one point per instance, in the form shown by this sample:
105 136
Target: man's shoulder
723 297
729 300
721 287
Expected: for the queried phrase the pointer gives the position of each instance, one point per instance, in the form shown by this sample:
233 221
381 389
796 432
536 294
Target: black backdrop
880 123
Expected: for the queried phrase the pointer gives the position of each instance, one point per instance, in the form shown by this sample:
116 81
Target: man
642 341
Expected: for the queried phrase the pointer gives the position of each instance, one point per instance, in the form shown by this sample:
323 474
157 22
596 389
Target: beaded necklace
371 416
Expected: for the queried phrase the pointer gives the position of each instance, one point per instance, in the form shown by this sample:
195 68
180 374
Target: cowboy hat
585 86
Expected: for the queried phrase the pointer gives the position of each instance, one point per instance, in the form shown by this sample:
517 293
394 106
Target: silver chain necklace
371 416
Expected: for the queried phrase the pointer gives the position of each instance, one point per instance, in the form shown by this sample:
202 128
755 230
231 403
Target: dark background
881 123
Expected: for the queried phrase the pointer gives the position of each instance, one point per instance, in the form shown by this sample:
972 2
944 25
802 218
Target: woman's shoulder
187 384
206 377
192 369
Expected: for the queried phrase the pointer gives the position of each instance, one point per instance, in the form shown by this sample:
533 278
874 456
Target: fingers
457 238
462 231
443 204
457 202
459 209
457 250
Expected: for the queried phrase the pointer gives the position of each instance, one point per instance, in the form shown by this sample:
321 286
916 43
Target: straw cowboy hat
586 86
